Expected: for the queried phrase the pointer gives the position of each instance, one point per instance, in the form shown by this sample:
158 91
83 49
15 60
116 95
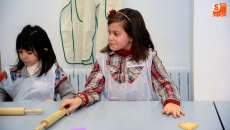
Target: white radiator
78 77
180 75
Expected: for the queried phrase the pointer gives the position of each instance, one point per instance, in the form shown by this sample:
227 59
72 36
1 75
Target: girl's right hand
71 104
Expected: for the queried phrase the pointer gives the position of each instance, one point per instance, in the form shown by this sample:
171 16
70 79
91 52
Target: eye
19 51
116 34
29 52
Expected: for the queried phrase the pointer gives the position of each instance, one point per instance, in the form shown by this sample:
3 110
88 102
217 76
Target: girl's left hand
174 109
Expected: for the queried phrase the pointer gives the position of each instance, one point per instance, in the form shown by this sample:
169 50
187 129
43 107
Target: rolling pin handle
40 127
39 111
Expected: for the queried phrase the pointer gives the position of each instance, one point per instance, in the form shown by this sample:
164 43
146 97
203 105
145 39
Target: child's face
28 57
118 38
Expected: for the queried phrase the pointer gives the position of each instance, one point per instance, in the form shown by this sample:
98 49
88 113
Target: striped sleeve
93 86
166 88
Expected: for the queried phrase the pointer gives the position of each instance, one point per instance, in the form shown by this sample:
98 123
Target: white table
115 115
223 109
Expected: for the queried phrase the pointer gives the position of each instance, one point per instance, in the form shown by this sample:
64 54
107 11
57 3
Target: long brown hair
134 25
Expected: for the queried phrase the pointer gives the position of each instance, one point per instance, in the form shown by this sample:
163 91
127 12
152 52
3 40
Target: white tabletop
115 115
223 109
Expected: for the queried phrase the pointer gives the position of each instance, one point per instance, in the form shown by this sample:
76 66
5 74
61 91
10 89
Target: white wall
15 14
211 53
167 22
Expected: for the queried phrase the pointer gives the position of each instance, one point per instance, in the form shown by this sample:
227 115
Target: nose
109 37
22 55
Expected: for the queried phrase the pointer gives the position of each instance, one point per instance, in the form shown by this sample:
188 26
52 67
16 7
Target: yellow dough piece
188 125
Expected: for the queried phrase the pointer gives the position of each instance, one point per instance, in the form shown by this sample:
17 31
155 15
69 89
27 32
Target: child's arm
166 88
3 76
91 94
3 93
63 85
66 90
93 86
4 96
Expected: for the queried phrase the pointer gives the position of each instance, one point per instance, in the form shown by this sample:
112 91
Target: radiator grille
181 77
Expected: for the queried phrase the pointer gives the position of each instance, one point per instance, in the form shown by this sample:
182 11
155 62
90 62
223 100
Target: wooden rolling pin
18 111
51 119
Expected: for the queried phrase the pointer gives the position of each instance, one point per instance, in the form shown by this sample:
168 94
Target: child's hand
71 104
171 108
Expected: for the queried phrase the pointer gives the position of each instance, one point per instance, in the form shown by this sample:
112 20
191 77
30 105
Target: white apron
32 88
140 90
